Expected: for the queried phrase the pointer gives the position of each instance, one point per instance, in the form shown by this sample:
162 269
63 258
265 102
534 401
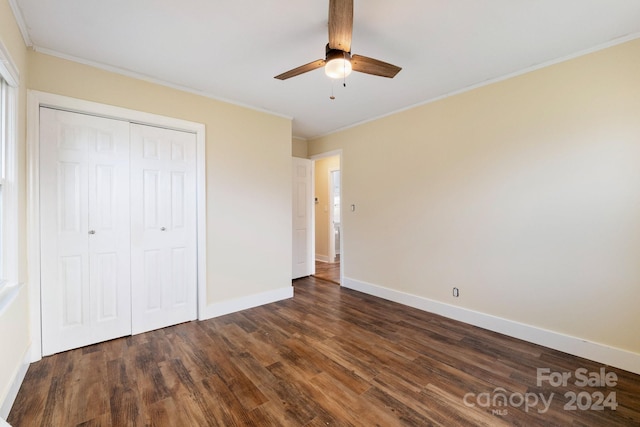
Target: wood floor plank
329 271
357 410
192 396
328 366
447 408
322 410
328 356
401 412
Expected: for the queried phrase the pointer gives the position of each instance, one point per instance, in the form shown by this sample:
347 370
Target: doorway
327 217
334 213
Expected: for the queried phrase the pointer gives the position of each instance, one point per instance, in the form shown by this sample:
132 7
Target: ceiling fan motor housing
336 54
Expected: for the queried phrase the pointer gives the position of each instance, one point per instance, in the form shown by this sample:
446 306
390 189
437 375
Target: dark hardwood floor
329 356
329 271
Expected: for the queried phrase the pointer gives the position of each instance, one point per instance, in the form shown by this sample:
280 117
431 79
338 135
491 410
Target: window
8 185
3 156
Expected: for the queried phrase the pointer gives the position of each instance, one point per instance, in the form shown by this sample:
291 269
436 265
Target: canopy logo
499 400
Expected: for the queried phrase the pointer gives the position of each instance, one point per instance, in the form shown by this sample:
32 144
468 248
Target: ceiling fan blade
301 69
340 24
373 66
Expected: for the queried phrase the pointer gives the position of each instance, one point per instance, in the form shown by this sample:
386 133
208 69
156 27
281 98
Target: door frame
320 156
37 99
331 228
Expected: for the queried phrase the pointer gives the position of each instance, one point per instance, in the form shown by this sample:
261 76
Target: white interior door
163 227
303 264
84 199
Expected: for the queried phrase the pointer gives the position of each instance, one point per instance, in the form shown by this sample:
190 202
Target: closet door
84 212
163 227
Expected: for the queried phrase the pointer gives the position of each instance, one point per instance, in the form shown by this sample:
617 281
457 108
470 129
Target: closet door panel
163 225
109 246
84 196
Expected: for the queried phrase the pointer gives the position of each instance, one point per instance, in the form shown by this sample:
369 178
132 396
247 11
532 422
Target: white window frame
8 174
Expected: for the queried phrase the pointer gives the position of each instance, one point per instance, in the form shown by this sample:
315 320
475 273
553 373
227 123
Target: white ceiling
231 50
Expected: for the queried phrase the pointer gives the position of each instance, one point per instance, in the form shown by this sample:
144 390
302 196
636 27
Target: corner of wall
7 401
244 303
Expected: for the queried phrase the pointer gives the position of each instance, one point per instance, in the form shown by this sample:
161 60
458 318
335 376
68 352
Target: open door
302 262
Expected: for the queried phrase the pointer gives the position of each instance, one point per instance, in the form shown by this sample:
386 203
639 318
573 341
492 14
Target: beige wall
14 323
322 167
248 171
524 194
248 168
299 148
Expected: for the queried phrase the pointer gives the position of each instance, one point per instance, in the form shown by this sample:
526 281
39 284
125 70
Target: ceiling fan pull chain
344 65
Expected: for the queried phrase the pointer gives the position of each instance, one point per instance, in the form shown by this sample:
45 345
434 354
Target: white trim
201 220
322 258
526 70
324 155
33 223
35 100
17 14
154 80
601 353
8 69
8 171
18 378
8 294
244 303
330 226
312 208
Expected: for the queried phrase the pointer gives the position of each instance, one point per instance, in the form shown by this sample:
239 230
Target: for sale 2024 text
582 377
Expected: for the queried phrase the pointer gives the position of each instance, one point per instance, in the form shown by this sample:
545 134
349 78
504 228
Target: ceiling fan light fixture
338 64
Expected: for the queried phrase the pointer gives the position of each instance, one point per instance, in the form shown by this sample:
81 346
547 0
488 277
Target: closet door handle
163 228
92 231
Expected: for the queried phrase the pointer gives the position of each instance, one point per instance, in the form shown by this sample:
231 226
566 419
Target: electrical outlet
456 292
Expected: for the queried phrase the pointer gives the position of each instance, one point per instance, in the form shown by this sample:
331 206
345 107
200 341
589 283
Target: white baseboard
239 304
322 258
7 403
597 352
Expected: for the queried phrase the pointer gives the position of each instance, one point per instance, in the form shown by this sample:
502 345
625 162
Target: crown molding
17 14
602 46
149 79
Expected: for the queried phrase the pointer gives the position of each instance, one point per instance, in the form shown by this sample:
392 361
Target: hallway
328 271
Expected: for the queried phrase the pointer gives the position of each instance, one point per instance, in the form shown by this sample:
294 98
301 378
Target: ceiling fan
338 60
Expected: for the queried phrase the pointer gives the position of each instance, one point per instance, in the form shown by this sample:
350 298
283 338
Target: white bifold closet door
84 222
163 227
118 228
